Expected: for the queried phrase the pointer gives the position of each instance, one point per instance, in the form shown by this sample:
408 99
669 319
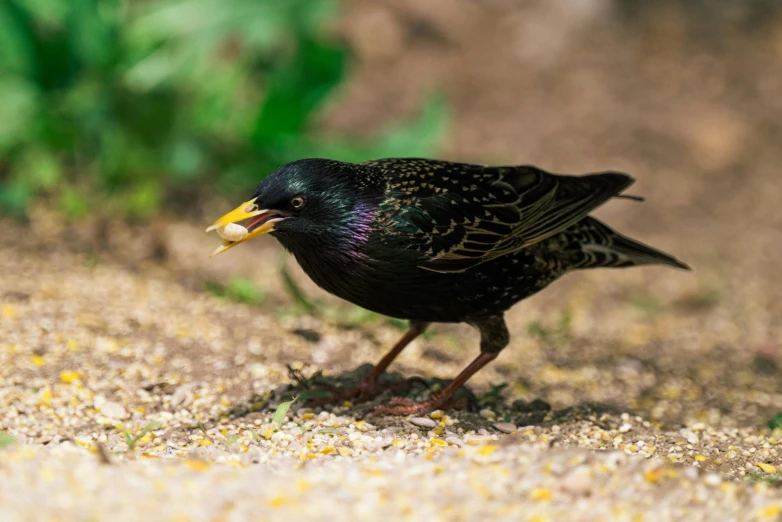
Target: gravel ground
631 395
131 392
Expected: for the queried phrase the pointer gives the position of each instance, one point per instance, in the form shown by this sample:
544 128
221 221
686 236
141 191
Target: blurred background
127 126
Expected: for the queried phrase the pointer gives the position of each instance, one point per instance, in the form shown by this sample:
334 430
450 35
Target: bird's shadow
466 405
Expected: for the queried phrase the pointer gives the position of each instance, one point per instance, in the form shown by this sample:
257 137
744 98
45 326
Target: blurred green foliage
123 105
238 290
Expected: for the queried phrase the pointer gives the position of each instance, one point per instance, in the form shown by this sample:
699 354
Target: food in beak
260 221
232 232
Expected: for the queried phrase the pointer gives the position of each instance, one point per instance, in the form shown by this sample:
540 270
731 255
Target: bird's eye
297 202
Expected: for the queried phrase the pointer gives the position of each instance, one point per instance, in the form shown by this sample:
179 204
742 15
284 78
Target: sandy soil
659 382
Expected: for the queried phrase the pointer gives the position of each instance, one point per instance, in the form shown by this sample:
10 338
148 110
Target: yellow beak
244 211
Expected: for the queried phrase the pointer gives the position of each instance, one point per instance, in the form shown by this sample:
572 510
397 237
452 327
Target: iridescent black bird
436 242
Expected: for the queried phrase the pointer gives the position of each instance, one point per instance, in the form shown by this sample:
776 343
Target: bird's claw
400 406
362 392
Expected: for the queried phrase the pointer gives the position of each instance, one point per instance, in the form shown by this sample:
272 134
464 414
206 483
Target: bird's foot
364 391
400 406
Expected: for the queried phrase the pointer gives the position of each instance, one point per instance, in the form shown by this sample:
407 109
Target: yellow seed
327 450
197 465
771 511
488 449
437 414
232 232
266 431
278 501
345 452
653 475
203 442
347 404
438 442
768 468
37 360
540 494
700 458
308 416
9 312
83 442
69 377
46 397
72 345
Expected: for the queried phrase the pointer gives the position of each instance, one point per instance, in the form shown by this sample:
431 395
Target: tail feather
598 246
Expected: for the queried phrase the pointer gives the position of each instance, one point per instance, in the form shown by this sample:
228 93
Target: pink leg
401 406
369 386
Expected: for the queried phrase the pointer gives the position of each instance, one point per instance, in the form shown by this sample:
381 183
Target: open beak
260 222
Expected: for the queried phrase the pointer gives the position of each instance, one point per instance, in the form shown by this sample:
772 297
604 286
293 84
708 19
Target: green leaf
6 439
297 89
144 199
282 411
19 103
15 197
73 203
132 441
418 138
776 422
39 167
92 32
17 41
244 290
239 290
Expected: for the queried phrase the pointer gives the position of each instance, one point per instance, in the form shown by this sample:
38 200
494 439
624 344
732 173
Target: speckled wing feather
459 215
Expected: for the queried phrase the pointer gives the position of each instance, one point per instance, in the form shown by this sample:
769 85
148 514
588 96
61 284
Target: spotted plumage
434 241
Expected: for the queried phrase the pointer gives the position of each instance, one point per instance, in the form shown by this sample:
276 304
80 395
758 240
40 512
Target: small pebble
379 444
423 422
488 414
113 410
456 441
477 440
505 427
579 481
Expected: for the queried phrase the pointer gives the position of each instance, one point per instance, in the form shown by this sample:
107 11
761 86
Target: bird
433 241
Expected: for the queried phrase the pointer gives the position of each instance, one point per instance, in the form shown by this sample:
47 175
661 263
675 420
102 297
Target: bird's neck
341 241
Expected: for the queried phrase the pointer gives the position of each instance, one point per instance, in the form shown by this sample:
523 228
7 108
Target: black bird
436 242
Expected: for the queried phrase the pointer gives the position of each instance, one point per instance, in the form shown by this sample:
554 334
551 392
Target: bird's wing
460 215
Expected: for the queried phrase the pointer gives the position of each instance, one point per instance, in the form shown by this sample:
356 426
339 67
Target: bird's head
313 201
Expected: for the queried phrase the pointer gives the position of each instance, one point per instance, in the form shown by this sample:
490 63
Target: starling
436 242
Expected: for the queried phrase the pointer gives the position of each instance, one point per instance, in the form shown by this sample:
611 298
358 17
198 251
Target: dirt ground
94 348
628 393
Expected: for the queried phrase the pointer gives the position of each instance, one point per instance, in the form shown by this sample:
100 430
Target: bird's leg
494 337
369 386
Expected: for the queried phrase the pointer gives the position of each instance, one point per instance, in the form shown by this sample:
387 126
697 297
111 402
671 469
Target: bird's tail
595 245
